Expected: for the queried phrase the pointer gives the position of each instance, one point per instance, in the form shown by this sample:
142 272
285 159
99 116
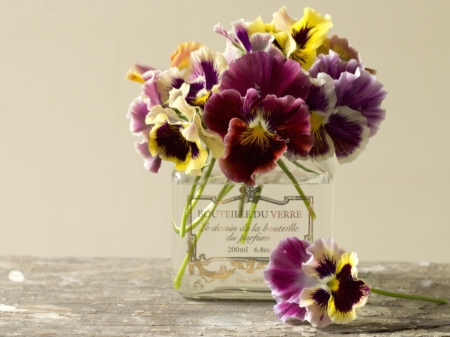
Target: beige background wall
72 184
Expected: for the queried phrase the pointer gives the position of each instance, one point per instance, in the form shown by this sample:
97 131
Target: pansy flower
317 283
168 141
207 66
260 114
338 292
257 133
297 39
337 130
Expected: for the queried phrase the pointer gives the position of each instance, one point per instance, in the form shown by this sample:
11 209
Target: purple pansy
337 129
286 279
362 92
257 133
317 283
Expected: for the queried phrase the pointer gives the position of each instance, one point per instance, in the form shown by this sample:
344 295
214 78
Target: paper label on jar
246 224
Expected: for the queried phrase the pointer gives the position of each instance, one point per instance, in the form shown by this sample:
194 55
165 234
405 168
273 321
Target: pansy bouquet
279 92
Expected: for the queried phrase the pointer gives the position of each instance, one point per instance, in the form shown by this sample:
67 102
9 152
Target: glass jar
223 234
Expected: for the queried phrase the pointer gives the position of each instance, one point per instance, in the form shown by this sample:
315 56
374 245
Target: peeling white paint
16 276
50 315
372 268
9 308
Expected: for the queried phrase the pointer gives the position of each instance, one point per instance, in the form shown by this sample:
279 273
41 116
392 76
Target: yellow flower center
333 284
255 134
316 121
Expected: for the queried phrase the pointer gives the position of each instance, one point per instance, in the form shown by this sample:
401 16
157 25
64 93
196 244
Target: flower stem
193 200
283 166
177 281
252 212
304 168
241 202
409 297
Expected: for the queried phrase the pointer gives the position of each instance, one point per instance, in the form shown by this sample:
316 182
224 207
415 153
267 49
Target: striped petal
348 293
285 310
169 79
289 119
249 151
137 112
349 132
325 256
167 141
315 300
332 65
362 92
284 274
309 33
208 64
150 87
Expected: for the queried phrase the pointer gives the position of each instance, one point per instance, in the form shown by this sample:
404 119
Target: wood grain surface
133 297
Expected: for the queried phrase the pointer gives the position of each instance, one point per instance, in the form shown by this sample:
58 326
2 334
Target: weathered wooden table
134 297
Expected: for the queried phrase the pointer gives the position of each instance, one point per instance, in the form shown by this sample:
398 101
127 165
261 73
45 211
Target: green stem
193 200
409 297
304 168
241 202
252 212
177 281
283 166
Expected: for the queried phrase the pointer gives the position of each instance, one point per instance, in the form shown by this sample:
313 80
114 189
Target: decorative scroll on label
236 239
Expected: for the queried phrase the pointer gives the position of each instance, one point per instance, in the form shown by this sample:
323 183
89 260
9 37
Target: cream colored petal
281 19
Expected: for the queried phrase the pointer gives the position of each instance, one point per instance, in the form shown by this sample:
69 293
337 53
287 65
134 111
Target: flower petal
332 65
249 151
241 33
209 64
325 256
267 74
284 274
211 139
263 42
323 147
221 108
289 119
169 79
167 141
281 20
309 33
150 88
150 163
322 95
349 132
285 310
362 92
351 293
315 300
180 57
137 112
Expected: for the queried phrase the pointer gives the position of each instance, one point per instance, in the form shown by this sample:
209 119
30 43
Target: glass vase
224 231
